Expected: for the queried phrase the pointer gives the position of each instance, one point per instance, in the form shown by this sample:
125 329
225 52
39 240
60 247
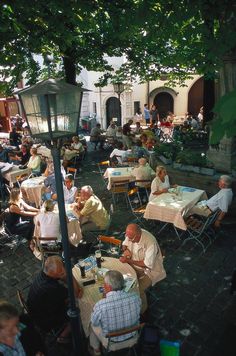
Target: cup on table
82 268
98 256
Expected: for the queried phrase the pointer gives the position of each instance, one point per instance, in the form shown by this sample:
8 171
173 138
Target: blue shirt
146 113
16 350
117 311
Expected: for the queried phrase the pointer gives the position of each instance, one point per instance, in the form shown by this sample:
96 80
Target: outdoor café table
169 208
92 294
32 189
118 174
73 226
14 173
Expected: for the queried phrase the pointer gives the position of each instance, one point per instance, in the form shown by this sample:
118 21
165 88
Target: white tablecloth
32 189
123 173
91 292
15 172
167 207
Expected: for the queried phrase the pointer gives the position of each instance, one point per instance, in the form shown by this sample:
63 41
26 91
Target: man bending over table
89 209
142 252
220 201
118 310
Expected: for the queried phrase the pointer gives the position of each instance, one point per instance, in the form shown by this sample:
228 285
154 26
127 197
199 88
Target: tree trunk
69 67
224 158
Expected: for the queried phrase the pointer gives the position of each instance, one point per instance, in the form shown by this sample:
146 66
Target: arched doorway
195 97
164 103
113 109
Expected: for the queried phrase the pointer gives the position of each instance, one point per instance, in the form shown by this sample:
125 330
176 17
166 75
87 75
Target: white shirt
69 194
119 154
157 184
49 224
143 173
77 146
111 131
148 250
221 200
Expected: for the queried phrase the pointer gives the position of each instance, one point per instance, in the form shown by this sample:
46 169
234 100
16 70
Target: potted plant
167 151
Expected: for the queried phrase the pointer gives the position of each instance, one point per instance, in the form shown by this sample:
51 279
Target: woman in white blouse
160 184
34 162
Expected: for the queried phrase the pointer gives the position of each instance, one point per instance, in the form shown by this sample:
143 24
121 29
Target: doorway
164 103
195 97
113 110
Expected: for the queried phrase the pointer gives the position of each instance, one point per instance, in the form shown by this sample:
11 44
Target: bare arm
29 207
133 262
220 217
17 210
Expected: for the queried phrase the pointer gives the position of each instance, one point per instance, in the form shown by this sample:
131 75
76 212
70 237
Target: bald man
47 298
142 252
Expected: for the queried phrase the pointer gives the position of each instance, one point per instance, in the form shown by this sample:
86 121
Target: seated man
70 192
142 252
111 130
117 154
91 212
143 172
221 201
48 297
96 136
119 310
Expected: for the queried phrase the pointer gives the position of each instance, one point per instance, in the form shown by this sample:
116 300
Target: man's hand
127 253
123 259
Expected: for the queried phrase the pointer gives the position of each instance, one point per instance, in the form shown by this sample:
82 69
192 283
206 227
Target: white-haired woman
160 183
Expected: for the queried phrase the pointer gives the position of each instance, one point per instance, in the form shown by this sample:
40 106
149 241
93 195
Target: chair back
102 166
21 178
111 242
120 186
112 345
22 301
73 171
134 198
47 246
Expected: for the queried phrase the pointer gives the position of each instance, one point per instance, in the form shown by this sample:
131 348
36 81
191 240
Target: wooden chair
114 245
118 188
47 246
129 343
132 161
73 171
22 301
143 185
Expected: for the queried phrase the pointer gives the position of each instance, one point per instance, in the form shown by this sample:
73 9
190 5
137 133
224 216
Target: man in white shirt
70 192
220 201
142 252
118 153
111 130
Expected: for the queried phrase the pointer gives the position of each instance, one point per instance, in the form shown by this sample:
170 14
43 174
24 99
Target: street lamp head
52 109
119 87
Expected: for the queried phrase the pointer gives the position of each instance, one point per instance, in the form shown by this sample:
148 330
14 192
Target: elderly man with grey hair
118 310
90 210
220 201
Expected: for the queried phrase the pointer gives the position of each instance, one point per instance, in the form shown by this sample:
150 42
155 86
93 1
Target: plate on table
116 173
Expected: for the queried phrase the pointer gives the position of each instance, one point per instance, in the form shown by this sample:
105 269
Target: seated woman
34 162
21 157
75 149
160 184
20 217
48 221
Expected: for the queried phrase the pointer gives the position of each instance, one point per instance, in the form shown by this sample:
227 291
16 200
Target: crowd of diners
48 295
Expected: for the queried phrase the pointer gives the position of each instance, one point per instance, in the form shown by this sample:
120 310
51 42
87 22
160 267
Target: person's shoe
93 352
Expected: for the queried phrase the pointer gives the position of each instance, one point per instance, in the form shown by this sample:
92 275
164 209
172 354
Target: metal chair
21 178
114 245
47 246
129 343
200 230
9 242
136 206
102 166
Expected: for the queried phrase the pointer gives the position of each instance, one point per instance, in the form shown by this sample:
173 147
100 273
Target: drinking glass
98 256
82 268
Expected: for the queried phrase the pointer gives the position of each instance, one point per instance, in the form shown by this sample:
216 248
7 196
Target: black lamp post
52 109
119 87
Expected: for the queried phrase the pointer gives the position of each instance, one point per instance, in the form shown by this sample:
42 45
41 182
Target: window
137 109
94 108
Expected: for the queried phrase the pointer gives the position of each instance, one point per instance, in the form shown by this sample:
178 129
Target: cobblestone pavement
192 305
